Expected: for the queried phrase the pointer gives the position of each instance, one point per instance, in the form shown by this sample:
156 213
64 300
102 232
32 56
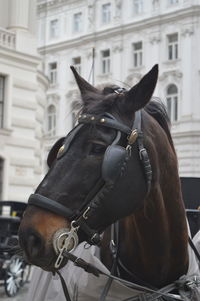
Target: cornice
17 57
122 29
46 5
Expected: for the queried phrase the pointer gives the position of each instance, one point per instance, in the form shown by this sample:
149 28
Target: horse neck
154 239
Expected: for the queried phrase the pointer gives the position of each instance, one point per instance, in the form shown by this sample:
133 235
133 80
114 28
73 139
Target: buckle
142 151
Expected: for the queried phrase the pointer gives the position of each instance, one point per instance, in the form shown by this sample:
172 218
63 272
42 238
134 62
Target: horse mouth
47 262
45 265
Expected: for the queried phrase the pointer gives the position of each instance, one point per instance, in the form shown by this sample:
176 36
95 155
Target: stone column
19 14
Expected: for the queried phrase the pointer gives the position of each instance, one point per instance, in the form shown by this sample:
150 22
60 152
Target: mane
157 110
104 101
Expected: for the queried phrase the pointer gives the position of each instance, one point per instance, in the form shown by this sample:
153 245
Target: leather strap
65 289
51 205
114 251
90 268
106 121
144 157
194 249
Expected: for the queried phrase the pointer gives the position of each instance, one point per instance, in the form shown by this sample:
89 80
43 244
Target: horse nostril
32 243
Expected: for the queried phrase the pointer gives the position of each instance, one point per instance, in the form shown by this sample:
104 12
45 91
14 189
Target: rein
90 268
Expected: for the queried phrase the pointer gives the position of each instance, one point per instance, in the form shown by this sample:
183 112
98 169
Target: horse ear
83 85
140 94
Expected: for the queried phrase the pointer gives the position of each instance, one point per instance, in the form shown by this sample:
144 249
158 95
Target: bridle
114 164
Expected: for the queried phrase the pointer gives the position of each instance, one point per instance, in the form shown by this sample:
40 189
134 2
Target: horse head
107 168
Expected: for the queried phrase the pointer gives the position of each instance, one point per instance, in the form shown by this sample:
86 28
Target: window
172 102
137 54
137 7
77 22
77 64
106 13
171 2
51 120
1 177
105 61
2 98
53 73
54 29
173 46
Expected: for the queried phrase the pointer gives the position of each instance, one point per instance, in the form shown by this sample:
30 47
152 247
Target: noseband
114 164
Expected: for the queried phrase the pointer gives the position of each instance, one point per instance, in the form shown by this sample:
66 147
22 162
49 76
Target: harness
114 165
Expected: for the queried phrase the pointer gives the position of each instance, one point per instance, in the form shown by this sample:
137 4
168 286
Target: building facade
118 42
22 100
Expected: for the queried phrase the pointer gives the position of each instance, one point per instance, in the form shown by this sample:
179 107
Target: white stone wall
152 26
25 101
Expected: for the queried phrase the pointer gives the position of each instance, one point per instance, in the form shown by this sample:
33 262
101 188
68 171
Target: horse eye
97 149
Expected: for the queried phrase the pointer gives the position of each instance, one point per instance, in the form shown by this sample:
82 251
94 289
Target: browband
107 120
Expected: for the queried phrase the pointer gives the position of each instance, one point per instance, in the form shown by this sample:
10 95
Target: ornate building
22 100
125 39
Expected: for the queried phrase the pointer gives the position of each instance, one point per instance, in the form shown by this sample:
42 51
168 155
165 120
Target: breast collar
79 218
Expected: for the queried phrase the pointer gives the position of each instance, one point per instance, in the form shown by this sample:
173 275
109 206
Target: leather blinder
114 162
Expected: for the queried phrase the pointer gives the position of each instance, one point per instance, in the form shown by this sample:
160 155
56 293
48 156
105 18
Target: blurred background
108 41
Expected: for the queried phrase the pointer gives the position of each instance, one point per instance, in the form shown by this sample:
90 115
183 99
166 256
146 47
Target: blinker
114 162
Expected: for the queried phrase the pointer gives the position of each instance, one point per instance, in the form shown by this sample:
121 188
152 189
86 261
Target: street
21 296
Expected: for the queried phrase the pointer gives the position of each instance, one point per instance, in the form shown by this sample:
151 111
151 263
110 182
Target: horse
118 166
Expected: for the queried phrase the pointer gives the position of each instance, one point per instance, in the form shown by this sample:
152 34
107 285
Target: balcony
7 38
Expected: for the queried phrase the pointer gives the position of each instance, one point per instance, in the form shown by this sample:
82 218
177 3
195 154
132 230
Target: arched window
1 178
51 120
172 102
